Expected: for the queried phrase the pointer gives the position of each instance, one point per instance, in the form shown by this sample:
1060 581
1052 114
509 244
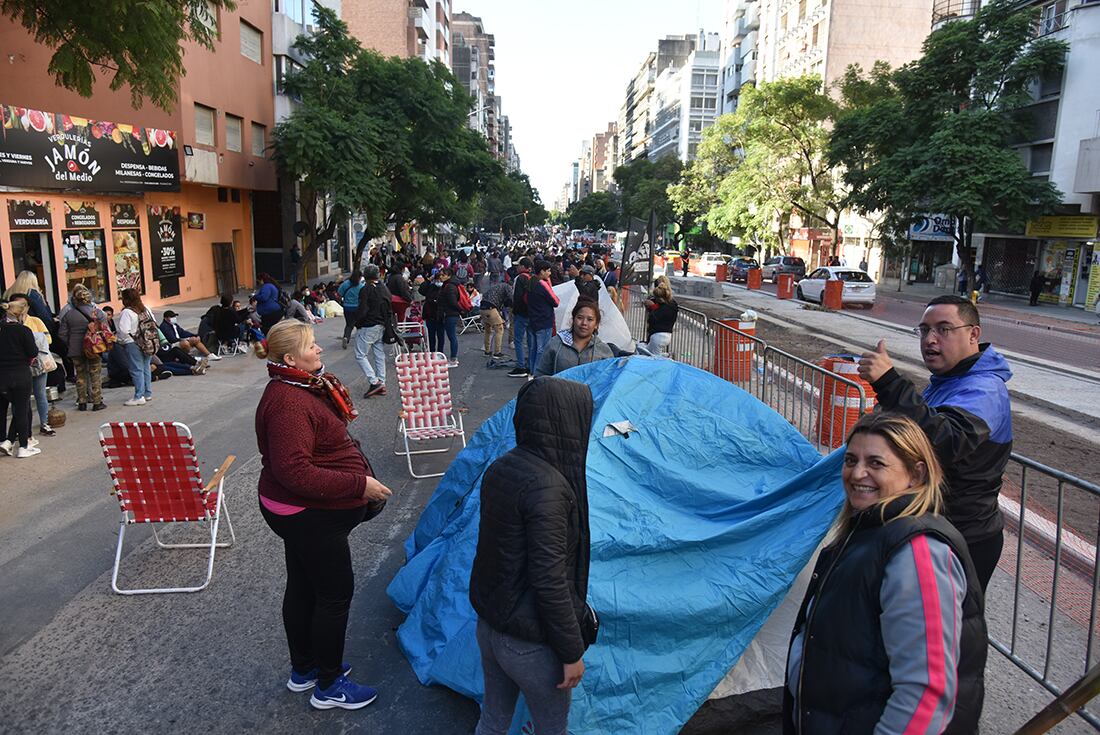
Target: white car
708 263
859 288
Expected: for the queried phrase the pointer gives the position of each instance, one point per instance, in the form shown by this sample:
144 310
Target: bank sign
47 150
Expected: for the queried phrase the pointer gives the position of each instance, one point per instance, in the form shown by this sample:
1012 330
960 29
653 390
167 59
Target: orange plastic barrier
784 286
754 279
732 352
833 296
839 409
720 272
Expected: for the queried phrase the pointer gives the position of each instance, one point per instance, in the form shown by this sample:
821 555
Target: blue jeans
435 336
520 337
541 338
512 665
450 326
141 372
370 353
38 382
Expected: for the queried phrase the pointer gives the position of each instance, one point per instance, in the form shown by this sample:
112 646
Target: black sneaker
375 390
517 373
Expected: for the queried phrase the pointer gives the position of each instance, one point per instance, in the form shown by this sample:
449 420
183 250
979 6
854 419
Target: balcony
944 11
418 19
752 17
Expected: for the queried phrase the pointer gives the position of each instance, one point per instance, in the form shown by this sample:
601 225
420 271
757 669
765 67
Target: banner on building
166 242
1079 226
933 228
48 150
637 267
80 215
29 214
124 215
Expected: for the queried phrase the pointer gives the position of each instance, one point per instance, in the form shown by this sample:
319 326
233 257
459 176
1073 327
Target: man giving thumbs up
966 414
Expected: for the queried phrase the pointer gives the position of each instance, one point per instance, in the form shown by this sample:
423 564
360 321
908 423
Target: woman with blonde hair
891 636
17 351
315 488
27 283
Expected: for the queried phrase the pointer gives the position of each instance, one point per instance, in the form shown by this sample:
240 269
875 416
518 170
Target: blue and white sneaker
345 694
304 682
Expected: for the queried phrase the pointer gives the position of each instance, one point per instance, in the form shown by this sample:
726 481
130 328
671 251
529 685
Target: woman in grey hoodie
578 345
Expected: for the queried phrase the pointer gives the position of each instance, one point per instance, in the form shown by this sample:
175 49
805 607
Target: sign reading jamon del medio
46 150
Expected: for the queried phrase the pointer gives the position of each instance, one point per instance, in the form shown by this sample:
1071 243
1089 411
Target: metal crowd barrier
1055 574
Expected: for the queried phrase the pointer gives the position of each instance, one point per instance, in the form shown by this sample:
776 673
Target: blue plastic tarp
701 518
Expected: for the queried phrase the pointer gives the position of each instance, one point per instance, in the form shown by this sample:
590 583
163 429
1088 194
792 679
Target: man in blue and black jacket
966 414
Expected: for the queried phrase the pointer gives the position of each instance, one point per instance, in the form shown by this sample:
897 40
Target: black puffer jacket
530 575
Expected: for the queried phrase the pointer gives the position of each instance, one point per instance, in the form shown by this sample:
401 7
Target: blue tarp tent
702 514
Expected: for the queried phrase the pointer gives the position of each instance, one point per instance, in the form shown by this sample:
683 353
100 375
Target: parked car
783 264
859 288
708 263
739 268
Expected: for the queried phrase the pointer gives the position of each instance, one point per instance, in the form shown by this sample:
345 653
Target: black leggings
267 321
349 320
319 586
985 554
16 394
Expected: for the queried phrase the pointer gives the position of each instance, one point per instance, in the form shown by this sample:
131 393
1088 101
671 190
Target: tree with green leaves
646 185
332 147
766 161
137 43
597 211
507 196
932 136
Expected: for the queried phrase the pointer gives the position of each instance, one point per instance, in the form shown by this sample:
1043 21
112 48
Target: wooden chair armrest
220 474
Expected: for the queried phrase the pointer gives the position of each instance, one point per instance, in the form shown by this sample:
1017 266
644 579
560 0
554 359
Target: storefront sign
124 215
196 221
166 242
29 214
48 150
80 214
933 227
1083 227
1093 292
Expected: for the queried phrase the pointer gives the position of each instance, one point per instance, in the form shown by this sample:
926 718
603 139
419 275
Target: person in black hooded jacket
529 582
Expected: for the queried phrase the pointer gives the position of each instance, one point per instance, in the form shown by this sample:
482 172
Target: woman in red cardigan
315 488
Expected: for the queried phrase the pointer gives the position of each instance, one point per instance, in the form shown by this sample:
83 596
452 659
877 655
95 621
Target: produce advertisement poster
48 150
127 260
166 242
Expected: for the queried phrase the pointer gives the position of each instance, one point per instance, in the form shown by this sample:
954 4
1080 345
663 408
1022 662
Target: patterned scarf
322 383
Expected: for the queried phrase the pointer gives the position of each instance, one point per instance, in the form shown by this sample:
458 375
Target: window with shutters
252 43
204 125
208 16
259 139
233 133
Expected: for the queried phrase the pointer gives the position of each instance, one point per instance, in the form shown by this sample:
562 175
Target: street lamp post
511 216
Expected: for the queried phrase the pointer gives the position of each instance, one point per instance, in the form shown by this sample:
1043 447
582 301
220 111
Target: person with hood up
965 412
529 582
75 318
578 345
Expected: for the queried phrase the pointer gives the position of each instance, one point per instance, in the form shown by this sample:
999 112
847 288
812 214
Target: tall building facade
685 101
469 31
635 124
115 197
402 28
1063 147
738 50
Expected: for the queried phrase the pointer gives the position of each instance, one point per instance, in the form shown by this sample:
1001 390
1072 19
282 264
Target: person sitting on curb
179 337
577 345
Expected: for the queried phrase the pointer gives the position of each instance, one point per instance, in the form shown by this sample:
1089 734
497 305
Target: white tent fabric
613 328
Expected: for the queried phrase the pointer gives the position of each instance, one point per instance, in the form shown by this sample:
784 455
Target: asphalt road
1074 349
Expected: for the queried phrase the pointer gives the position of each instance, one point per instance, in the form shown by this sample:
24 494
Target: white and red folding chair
426 411
155 472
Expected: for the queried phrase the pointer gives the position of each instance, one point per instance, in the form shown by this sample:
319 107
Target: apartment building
115 197
685 101
468 31
1063 147
403 28
634 123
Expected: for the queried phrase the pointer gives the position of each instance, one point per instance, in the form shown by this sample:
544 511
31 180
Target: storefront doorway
33 251
86 262
1084 269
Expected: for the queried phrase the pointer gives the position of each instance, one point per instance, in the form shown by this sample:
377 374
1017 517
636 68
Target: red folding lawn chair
155 472
426 410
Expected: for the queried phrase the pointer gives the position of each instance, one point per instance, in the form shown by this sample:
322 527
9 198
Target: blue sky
562 68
